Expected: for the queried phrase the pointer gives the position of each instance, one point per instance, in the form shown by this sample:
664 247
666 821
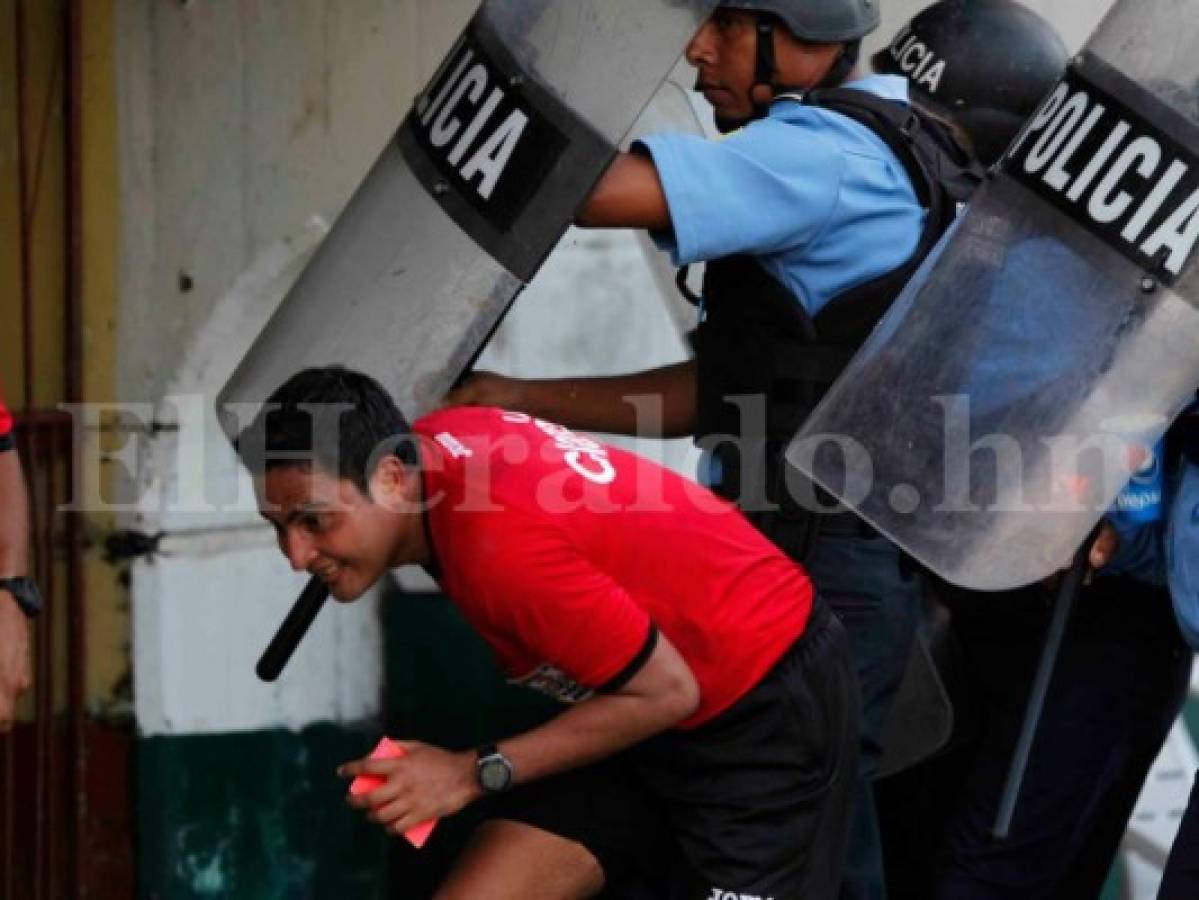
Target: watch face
494 773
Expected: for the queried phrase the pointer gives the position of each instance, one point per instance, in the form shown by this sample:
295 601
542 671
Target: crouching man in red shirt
708 734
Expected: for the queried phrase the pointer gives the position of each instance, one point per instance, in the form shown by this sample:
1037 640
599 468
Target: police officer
1120 679
812 213
983 66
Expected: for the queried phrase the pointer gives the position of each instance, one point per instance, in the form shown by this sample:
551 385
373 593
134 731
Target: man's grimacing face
327 527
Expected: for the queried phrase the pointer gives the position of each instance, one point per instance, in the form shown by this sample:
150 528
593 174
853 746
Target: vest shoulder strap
942 175
934 160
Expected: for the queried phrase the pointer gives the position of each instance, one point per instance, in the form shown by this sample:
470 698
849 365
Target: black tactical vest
1182 440
757 341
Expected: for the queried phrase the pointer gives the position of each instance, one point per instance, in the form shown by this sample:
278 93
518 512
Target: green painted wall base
261 815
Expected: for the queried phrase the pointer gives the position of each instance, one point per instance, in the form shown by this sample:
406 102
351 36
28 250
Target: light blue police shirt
818 198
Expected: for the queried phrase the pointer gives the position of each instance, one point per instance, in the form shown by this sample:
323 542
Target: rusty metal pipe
55 767
26 249
43 683
73 376
51 617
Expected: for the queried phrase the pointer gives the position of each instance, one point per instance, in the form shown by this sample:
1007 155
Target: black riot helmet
816 21
984 65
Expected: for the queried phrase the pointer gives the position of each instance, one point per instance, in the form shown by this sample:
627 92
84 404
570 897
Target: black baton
1067 594
291 632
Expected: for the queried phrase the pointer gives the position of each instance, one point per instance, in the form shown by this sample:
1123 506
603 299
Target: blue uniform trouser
877 598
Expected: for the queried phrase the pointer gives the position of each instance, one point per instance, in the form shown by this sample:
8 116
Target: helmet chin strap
764 71
766 67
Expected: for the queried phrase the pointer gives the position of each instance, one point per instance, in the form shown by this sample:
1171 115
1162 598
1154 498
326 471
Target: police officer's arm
654 403
429 782
15 669
629 195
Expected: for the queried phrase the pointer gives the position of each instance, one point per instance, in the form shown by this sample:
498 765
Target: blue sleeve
768 187
1139 552
1182 554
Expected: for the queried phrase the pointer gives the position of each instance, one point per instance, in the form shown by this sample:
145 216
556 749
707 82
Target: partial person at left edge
19 598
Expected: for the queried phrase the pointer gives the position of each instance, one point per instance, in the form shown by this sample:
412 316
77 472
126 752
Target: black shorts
754 803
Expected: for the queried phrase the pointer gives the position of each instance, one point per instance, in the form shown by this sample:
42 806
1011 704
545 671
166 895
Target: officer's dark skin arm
15 669
629 195
654 403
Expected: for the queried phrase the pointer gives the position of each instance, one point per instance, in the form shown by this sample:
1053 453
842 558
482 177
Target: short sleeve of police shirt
818 198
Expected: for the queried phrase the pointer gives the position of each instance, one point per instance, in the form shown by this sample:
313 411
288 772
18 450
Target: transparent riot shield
480 181
1028 371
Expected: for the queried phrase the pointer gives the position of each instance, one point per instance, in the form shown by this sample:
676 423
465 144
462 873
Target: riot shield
480 181
1028 370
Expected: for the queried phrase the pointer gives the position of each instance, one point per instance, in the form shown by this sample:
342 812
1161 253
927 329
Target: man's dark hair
295 427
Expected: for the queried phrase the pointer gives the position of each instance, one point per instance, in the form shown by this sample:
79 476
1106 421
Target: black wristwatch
25 592
493 770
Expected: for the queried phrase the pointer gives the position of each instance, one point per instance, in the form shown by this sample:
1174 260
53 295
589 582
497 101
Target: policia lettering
916 60
481 130
438 108
499 151
1128 180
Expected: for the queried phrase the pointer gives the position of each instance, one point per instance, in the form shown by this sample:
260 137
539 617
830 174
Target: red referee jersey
569 556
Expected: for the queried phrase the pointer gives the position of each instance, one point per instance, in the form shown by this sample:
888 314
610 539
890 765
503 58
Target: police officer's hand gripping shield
1030 367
